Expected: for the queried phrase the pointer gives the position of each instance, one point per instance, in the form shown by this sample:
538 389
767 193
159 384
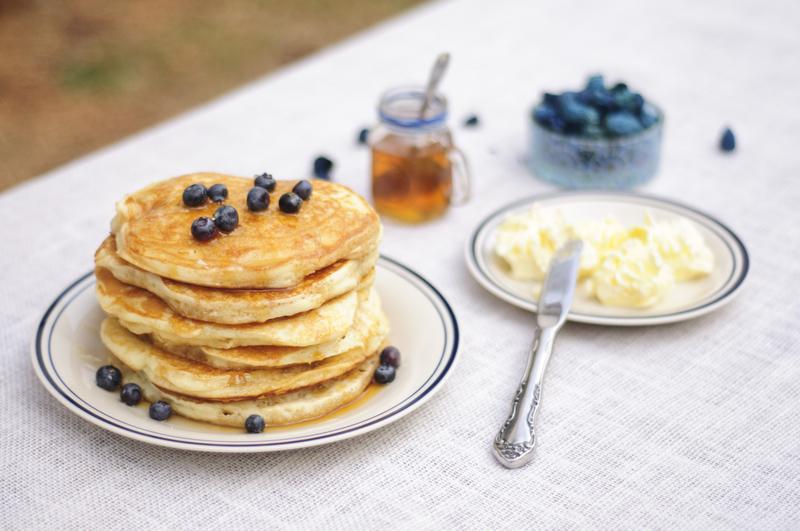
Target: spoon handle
433 81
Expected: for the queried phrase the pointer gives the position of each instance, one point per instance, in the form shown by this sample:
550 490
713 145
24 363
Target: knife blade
559 285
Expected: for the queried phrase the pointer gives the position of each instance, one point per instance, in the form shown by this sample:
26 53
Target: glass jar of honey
417 172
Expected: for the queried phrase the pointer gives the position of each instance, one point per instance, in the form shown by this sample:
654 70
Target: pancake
196 380
239 306
369 321
268 249
141 312
296 406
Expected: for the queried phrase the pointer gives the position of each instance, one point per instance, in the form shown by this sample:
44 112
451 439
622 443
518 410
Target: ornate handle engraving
513 444
504 444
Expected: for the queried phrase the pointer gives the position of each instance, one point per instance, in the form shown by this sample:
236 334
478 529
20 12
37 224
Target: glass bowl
617 163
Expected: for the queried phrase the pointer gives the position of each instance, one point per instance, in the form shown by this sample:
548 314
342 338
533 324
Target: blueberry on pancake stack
227 304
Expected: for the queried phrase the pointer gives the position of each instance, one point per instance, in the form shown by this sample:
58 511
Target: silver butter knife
513 445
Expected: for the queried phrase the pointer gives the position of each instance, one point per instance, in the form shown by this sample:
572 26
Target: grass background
77 75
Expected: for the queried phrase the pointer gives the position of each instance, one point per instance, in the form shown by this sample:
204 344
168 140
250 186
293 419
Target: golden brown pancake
193 379
369 321
239 306
295 406
143 313
268 249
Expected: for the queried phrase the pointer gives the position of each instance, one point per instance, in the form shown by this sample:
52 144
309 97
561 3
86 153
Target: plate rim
437 377
731 288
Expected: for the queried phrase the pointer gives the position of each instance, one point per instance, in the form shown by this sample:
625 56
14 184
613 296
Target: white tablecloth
688 425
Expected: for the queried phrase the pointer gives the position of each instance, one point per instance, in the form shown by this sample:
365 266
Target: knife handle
513 445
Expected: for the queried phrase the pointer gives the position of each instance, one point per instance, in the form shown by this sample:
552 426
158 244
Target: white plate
67 351
686 301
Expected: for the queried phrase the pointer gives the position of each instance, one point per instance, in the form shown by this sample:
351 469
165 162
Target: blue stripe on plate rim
726 235
46 369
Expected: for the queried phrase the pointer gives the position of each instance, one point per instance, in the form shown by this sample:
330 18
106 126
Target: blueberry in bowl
601 136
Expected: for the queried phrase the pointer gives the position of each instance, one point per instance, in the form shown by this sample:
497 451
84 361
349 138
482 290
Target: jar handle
463 177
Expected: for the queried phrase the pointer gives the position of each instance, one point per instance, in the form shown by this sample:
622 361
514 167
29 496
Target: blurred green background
77 75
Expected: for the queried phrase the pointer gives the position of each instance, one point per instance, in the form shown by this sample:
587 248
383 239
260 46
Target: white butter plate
686 301
67 352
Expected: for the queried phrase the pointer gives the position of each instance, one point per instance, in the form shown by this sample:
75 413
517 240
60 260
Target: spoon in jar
437 72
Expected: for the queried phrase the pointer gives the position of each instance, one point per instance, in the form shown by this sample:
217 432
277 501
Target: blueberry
131 394
363 136
226 218
575 113
391 356
323 167
547 117
630 101
303 189
160 410
622 123
619 88
108 377
218 193
257 199
194 195
550 99
595 82
290 203
472 121
648 115
254 424
728 141
385 373
203 229
625 99
600 99
266 181
585 96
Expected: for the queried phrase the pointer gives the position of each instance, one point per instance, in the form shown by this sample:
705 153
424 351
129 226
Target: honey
417 172
371 390
410 183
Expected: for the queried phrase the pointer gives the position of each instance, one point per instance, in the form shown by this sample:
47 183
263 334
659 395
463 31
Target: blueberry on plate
303 189
290 203
218 193
203 229
194 195
266 181
363 136
323 167
257 199
727 142
254 424
391 356
160 410
385 373
108 377
226 218
622 123
472 121
131 394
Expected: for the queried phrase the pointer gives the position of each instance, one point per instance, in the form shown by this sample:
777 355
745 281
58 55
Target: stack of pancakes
277 318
